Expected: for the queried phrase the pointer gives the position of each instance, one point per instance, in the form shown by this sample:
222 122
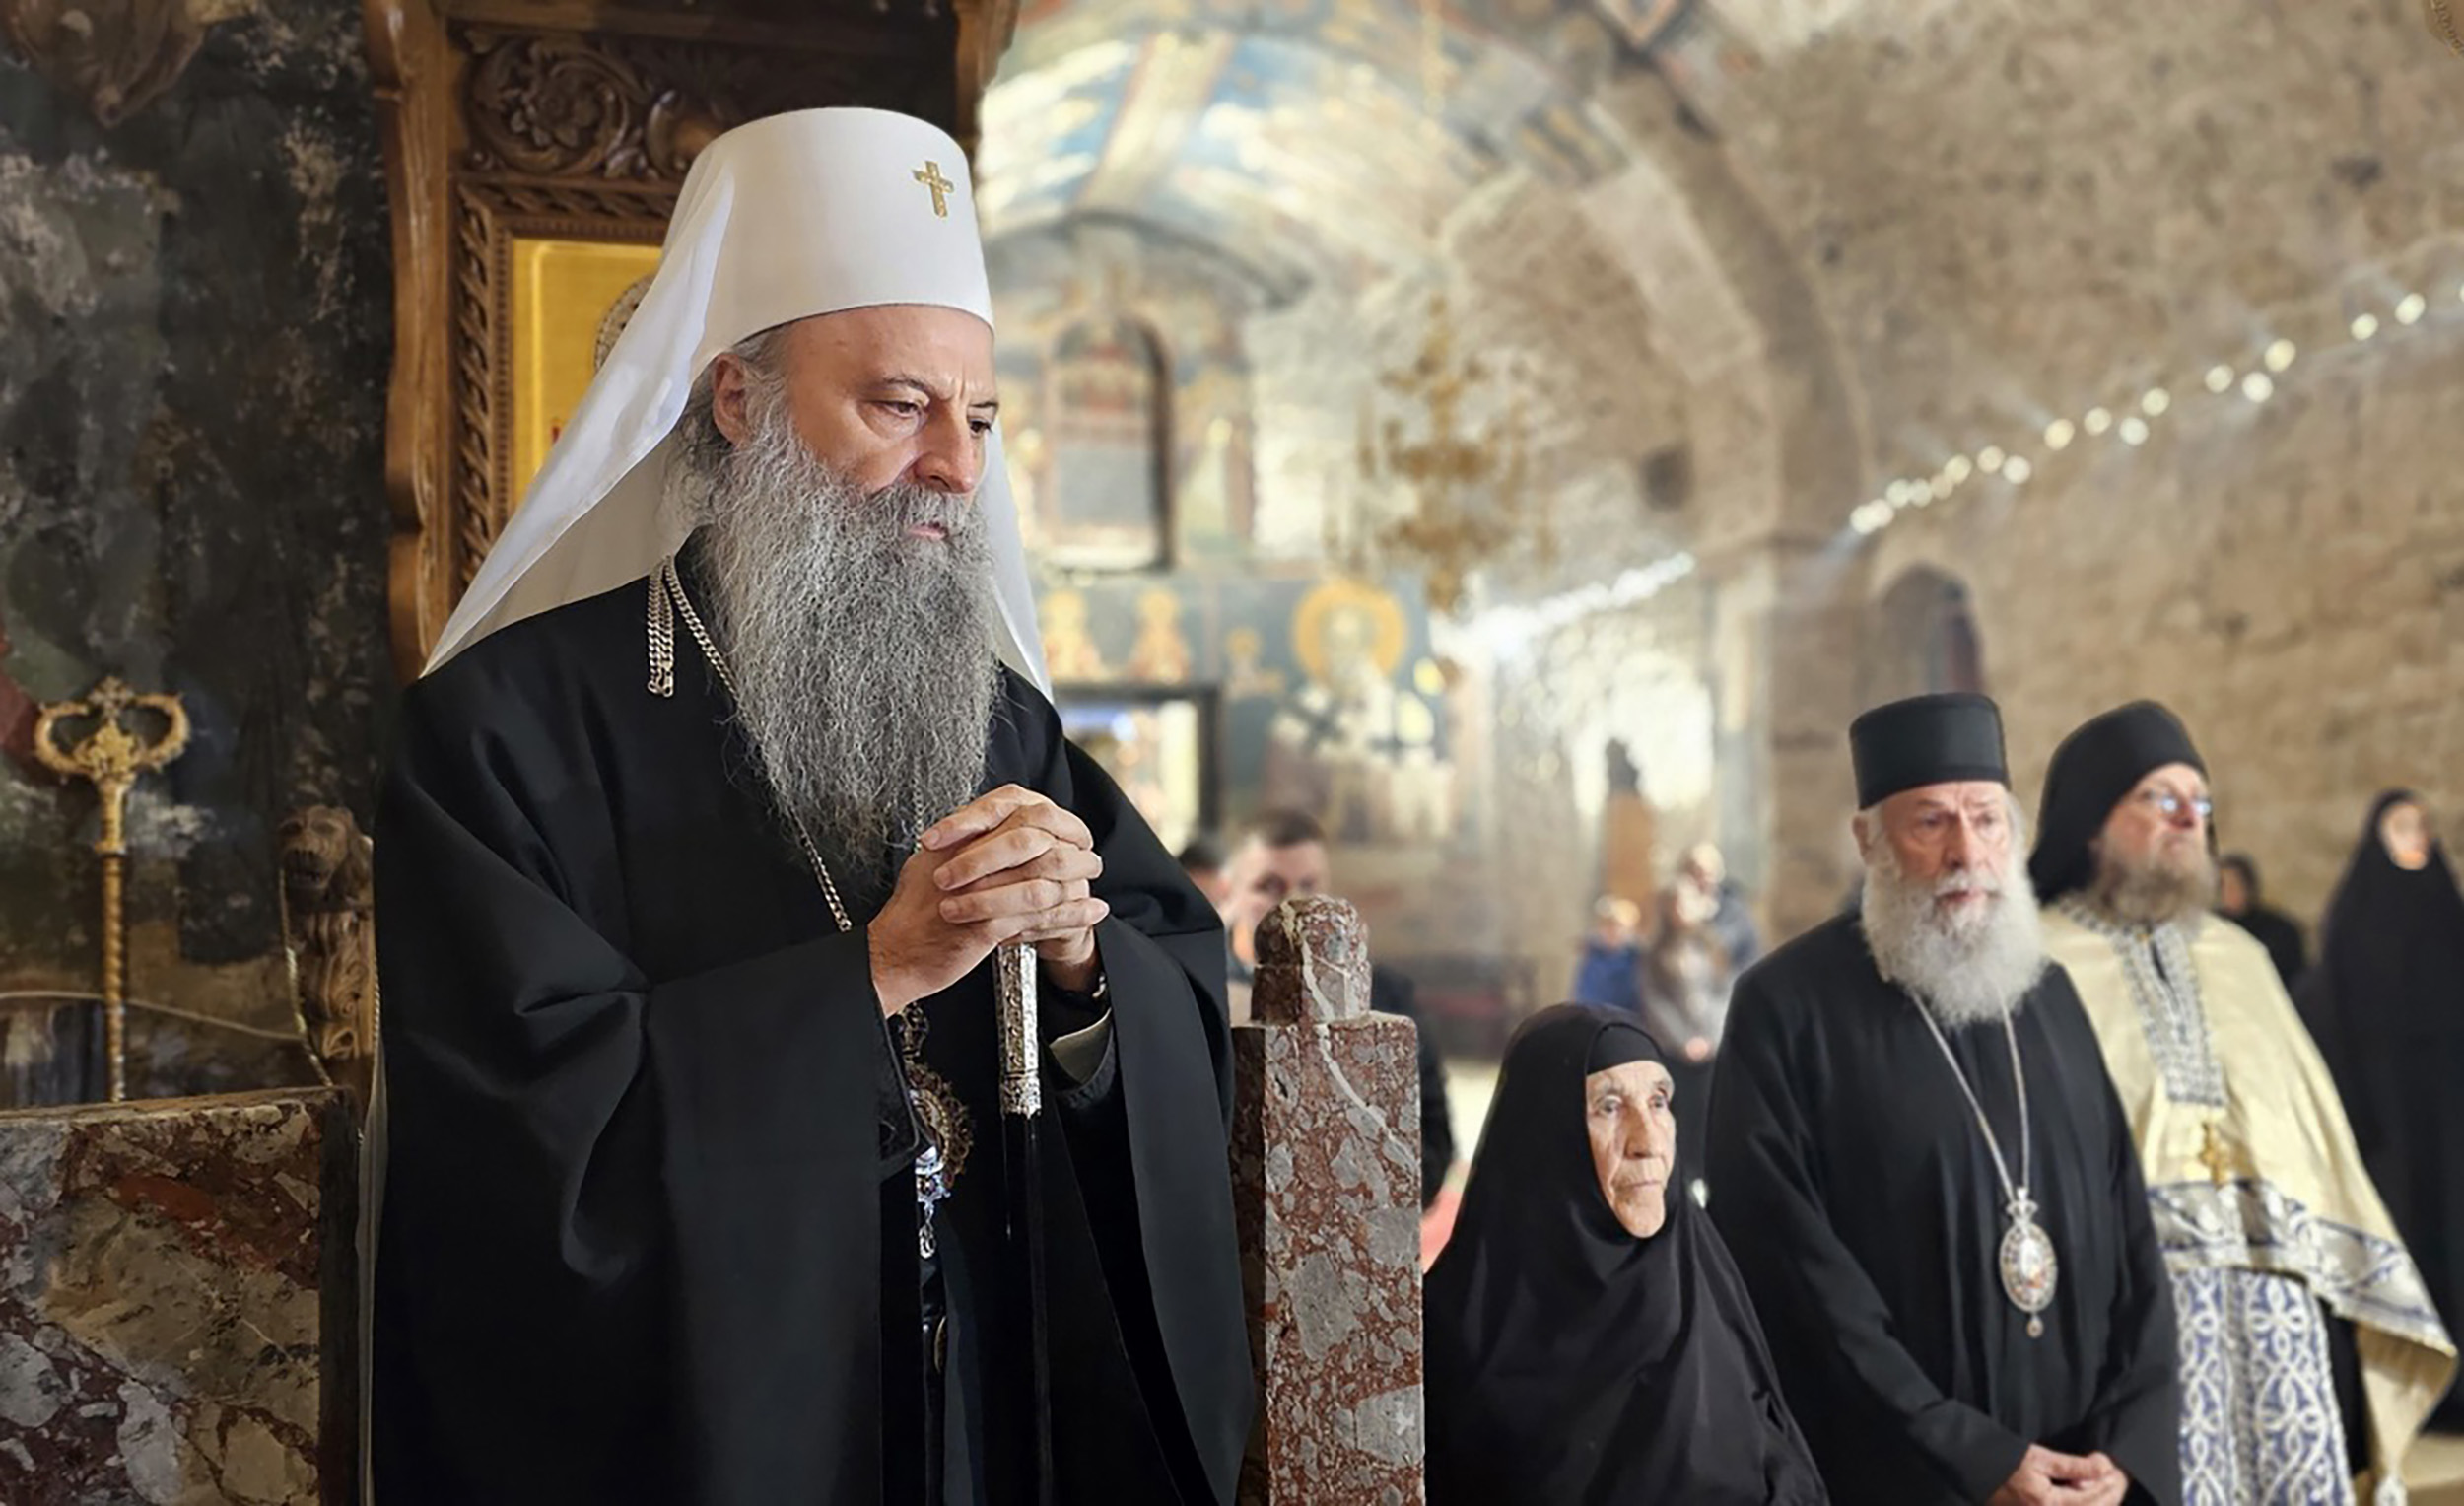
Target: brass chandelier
1468 479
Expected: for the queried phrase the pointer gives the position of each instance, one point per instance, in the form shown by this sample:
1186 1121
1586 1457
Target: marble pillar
1326 1188
176 1313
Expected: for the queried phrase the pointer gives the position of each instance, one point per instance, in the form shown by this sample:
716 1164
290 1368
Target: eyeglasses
2173 807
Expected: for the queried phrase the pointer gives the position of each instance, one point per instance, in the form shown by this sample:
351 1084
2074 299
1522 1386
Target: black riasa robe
1861 1204
649 1213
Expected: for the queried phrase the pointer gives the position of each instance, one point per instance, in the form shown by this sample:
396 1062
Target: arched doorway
1923 639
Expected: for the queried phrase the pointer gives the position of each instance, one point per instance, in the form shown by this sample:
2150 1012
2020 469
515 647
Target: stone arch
1776 431
1921 636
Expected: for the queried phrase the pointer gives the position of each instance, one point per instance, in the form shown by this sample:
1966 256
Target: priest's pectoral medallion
948 1137
2030 1268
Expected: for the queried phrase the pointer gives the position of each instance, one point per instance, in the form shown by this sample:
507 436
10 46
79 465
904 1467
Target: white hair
703 449
1966 966
862 656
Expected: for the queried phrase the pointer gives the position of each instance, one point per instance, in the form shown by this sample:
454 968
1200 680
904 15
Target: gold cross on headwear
930 177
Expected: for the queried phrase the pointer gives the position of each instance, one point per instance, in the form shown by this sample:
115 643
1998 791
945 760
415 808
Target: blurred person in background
1685 977
1284 855
1732 922
1610 970
2238 900
2386 1006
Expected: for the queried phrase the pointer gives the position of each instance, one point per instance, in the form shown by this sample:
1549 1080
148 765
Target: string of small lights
2017 461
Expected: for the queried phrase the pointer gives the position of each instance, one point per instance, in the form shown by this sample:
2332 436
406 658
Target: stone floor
2437 1472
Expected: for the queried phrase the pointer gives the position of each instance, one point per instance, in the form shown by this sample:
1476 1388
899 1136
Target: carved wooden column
1326 1192
2440 14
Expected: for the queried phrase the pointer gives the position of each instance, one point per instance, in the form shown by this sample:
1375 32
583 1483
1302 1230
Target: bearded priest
1922 1172
2310 1350
709 1172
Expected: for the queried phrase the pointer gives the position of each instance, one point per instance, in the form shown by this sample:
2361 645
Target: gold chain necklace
948 1135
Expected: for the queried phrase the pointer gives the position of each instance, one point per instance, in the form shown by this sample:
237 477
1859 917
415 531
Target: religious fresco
1161 655
1160 751
1325 694
1297 135
1126 402
1358 743
1107 425
1049 131
1069 653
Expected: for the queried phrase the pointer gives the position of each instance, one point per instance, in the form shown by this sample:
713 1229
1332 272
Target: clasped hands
2049 1478
1009 866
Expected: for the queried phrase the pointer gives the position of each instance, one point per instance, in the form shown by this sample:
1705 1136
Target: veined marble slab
176 1286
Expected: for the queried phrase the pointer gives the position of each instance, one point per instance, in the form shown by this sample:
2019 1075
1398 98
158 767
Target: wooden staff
111 758
1022 1100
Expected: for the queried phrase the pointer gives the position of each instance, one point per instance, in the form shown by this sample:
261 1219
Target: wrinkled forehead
1968 796
1634 1079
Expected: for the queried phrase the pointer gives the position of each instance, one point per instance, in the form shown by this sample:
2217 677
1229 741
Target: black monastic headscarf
2094 768
2391 953
2385 1003
1570 1362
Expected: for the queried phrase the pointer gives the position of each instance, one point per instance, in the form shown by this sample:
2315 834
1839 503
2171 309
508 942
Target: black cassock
2386 1007
650 1229
1861 1204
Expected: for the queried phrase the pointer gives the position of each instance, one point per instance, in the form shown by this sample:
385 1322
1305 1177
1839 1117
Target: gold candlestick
111 758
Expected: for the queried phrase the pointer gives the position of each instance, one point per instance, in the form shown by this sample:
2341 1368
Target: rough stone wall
1534 292
2012 211
2289 577
2067 204
193 335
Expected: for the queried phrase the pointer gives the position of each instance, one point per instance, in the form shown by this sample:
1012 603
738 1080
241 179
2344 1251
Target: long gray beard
2156 892
862 656
1965 970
